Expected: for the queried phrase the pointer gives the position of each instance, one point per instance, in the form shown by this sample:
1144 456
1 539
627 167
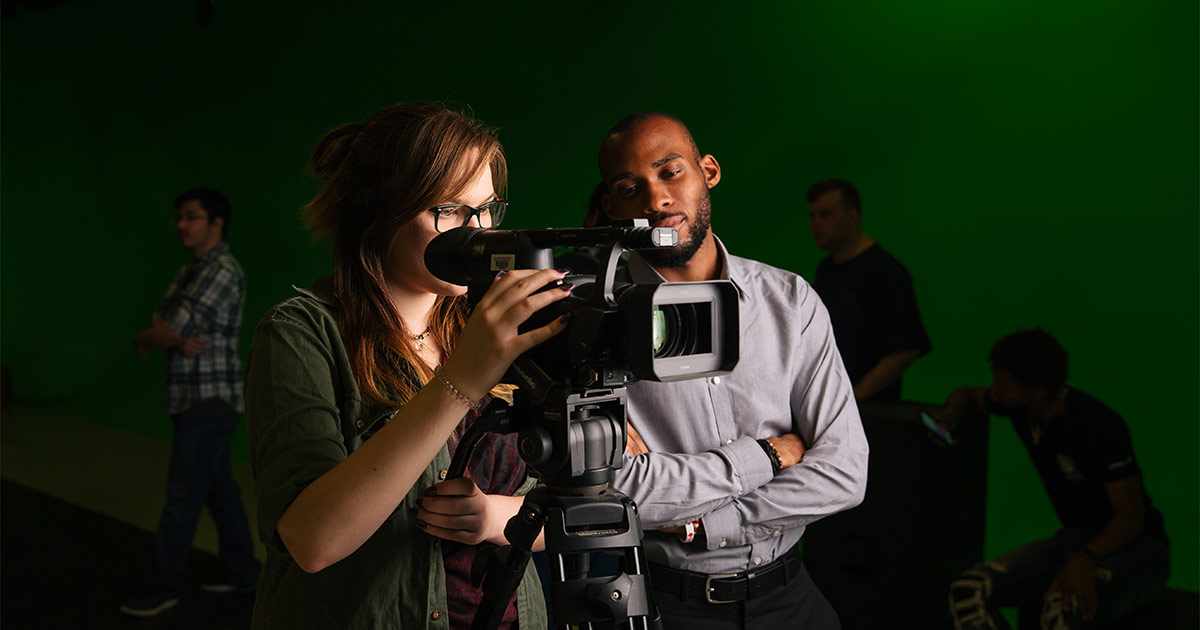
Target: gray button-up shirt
704 461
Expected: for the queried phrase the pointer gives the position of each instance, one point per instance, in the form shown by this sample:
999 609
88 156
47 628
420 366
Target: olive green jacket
305 415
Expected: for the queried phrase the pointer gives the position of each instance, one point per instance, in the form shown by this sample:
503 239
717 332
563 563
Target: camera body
570 401
619 332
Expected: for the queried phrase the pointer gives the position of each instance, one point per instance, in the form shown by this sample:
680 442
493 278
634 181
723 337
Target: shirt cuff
181 322
750 464
722 527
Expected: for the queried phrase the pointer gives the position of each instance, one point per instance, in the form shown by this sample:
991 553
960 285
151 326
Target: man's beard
682 253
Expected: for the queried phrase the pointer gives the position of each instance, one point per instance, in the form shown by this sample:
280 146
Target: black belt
726 588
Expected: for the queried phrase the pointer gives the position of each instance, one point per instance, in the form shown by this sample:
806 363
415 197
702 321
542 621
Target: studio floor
75 538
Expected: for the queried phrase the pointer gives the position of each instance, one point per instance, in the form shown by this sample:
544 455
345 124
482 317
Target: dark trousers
1132 576
797 604
201 474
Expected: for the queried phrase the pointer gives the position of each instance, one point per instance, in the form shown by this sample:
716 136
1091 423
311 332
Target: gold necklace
420 339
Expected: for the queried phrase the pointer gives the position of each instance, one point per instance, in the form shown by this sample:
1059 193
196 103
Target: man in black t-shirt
868 293
1111 554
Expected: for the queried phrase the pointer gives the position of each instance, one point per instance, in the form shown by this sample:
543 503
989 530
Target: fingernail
500 275
564 271
567 287
431 491
422 524
565 318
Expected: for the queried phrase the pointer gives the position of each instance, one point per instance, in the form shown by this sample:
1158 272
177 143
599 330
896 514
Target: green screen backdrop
1031 163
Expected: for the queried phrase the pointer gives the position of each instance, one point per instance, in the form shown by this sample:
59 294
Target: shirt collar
320 290
221 249
640 271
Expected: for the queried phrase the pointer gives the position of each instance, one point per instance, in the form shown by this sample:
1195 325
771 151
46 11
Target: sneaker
221 587
148 605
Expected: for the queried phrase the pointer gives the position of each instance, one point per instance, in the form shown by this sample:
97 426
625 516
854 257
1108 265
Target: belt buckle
708 591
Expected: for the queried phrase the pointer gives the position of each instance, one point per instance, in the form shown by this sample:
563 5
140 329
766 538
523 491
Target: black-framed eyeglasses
454 215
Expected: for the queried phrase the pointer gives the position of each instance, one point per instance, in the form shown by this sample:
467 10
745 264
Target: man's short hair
849 192
1033 357
637 118
596 217
213 201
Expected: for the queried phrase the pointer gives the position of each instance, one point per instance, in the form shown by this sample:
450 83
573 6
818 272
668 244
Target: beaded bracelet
440 376
773 455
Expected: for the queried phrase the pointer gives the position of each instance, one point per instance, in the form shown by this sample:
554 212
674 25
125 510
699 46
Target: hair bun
333 150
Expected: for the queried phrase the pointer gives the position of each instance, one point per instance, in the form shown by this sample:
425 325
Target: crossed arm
160 334
788 446
182 328
731 488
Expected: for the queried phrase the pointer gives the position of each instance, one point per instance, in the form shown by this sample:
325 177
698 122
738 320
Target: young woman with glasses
359 388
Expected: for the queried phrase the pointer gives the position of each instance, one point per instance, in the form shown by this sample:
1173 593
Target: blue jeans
201 474
1125 580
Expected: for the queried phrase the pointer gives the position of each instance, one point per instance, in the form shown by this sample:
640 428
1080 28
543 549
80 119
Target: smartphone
935 428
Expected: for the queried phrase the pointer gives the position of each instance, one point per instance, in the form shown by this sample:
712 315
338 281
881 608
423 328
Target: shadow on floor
67 567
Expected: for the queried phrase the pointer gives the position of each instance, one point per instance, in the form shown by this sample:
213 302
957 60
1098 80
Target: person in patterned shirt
198 322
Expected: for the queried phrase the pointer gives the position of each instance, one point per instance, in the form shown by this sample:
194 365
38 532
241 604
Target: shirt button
716 380
442 475
758 561
437 614
722 543
360 424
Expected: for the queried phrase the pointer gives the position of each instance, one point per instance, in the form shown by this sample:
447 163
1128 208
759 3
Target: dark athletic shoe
148 605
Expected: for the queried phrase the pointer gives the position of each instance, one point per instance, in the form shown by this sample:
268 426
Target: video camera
618 333
569 406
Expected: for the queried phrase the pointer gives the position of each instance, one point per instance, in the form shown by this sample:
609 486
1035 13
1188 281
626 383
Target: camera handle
608 263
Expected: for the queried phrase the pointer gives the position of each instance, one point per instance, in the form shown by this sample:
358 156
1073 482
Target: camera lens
680 330
658 330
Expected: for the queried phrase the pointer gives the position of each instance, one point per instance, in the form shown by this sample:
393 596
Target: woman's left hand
456 509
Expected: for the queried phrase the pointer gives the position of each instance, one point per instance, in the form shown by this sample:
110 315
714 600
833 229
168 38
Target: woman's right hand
490 342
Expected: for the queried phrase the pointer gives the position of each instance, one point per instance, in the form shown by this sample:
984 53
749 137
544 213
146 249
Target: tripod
572 441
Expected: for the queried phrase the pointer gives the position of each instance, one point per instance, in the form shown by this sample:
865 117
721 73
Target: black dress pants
797 604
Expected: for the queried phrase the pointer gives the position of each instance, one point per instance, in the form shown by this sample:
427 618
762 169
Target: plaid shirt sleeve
165 305
214 289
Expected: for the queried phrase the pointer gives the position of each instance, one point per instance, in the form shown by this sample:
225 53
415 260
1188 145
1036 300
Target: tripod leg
506 566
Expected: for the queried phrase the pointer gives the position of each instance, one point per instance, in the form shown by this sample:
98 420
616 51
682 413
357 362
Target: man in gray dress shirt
727 471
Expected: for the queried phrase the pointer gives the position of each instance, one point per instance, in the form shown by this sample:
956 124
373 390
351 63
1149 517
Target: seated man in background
1111 554
868 292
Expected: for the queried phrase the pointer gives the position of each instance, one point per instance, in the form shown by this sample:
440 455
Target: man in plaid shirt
198 322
